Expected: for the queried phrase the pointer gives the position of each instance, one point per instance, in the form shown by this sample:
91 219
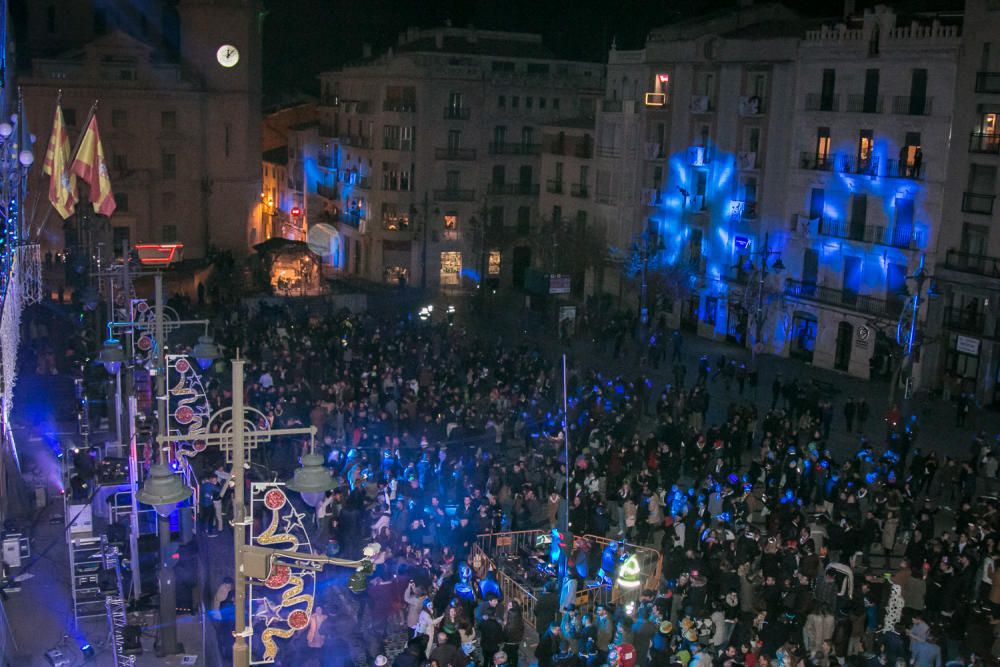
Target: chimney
850 6
439 40
366 50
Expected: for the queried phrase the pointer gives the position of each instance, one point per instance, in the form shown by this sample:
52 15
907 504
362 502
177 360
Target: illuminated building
963 335
445 128
179 114
826 152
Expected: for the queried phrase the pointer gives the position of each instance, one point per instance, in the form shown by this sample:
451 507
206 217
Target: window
758 84
168 120
541 102
454 140
555 104
451 221
168 201
408 138
556 215
753 139
390 137
393 219
501 101
500 135
121 203
390 176
826 90
527 136
119 239
529 102
453 180
168 164
866 143
455 101
496 217
119 118
523 220
406 178
69 117
499 176
822 144
493 267
711 309
168 234
119 162
515 101
451 267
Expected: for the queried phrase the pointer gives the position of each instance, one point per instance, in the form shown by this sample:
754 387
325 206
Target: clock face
227 55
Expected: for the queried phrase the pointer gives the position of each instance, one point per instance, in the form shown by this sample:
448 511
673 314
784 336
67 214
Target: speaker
132 635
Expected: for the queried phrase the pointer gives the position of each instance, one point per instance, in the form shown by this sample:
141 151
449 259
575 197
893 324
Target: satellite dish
320 238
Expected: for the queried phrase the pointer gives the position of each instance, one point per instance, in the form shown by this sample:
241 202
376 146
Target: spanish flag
90 166
62 183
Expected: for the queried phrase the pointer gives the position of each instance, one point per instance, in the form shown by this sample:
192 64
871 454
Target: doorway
519 265
803 336
736 324
845 341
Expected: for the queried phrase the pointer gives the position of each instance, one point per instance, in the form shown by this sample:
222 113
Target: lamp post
311 480
778 266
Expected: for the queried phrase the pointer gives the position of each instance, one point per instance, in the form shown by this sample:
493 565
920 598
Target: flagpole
83 132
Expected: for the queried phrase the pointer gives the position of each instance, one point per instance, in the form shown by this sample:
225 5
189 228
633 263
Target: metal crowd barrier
489 548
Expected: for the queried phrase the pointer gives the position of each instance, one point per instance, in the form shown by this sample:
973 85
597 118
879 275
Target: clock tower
220 48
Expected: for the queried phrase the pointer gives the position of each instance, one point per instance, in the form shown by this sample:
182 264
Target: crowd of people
775 549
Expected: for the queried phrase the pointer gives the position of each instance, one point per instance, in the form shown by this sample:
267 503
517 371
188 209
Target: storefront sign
967 345
558 284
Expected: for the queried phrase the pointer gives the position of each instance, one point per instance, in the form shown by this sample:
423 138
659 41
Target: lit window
451 267
451 221
494 264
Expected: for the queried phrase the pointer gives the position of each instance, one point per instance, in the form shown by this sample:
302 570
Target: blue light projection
702 191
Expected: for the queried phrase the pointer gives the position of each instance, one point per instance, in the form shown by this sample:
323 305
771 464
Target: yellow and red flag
62 182
91 167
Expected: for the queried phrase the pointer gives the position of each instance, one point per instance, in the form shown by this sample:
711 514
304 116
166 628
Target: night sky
305 37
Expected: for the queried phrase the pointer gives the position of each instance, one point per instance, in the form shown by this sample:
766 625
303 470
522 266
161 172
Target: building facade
963 335
429 155
179 112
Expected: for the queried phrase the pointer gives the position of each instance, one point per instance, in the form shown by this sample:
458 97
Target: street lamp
163 490
312 480
112 356
206 351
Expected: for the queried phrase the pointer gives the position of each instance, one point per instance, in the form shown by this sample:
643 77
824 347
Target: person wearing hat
426 623
499 659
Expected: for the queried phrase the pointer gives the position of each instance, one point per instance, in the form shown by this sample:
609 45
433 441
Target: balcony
607 151
356 141
554 186
701 104
897 237
454 194
982 265
457 113
508 148
988 82
352 218
327 191
399 106
816 161
959 319
451 153
513 188
912 106
326 161
984 142
820 102
862 104
751 105
974 202
656 100
901 169
863 303
579 190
